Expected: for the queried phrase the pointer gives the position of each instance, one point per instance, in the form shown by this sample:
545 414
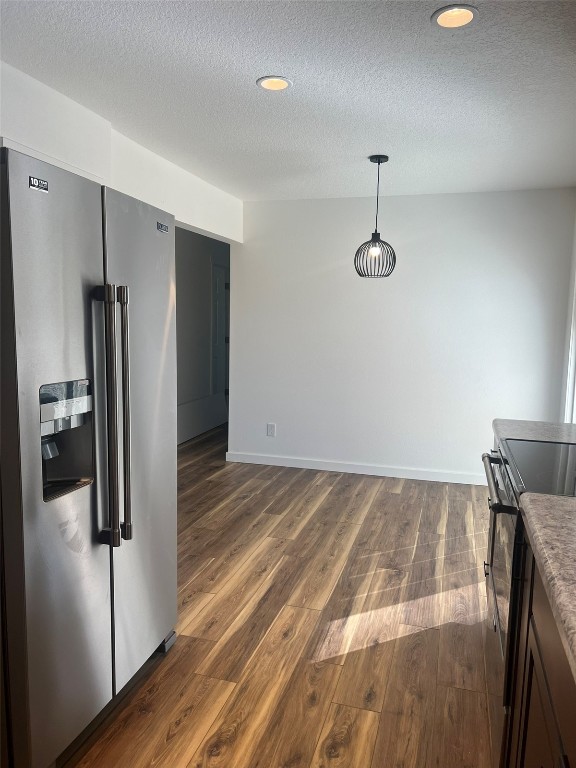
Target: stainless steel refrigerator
87 448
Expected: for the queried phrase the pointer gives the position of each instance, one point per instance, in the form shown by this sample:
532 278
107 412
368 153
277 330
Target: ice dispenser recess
66 437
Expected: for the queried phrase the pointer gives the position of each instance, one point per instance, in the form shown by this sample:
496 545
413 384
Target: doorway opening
202 333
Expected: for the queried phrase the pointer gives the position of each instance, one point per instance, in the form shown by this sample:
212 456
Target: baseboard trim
410 473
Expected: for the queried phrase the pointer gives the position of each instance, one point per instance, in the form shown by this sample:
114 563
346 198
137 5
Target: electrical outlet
271 430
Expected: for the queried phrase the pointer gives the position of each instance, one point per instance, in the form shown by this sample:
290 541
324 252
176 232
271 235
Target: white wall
39 121
400 376
149 177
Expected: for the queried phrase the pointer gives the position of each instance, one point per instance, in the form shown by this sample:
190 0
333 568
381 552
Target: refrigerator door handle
111 535
126 527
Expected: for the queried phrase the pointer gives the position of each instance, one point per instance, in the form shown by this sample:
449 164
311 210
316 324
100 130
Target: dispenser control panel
66 437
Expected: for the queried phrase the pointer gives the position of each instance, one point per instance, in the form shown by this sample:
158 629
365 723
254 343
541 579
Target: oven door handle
494 500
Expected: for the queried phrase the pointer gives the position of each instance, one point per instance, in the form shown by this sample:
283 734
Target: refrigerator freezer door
140 254
56 261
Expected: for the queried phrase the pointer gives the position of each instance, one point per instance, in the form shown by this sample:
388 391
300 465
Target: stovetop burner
541 467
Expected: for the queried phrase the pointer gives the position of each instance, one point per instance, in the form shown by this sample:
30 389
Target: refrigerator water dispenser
66 437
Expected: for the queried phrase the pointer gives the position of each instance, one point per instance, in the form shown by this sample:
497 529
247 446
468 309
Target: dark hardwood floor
325 620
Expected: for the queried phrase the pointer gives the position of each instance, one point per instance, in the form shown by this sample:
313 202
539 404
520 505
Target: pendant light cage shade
375 258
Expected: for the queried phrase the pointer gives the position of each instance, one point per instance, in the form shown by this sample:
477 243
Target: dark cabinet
541 730
542 747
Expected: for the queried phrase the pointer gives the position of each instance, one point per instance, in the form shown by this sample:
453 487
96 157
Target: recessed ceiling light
453 16
273 82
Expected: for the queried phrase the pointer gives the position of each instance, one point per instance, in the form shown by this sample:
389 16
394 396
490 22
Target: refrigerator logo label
35 183
161 227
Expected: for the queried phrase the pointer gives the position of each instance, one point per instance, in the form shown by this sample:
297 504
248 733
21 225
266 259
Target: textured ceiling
487 107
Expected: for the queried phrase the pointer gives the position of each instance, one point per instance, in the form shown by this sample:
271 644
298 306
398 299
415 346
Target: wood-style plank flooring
325 621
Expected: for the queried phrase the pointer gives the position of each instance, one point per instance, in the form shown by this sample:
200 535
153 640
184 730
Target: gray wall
201 399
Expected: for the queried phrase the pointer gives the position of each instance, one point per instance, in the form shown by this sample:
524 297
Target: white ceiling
491 106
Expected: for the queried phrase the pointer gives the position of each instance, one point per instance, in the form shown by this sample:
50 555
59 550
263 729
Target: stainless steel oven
502 569
519 464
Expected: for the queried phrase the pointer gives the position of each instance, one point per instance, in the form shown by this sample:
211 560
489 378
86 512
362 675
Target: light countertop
551 525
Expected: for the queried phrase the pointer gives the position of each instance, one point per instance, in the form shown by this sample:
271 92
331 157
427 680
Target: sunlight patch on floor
388 623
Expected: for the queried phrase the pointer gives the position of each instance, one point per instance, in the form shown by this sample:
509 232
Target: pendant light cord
377 197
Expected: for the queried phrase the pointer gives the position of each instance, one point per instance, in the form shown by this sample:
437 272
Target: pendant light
375 258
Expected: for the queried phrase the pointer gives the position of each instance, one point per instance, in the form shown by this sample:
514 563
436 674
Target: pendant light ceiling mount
375 258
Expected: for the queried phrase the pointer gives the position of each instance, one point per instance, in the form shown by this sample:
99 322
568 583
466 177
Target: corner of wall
139 172
76 139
